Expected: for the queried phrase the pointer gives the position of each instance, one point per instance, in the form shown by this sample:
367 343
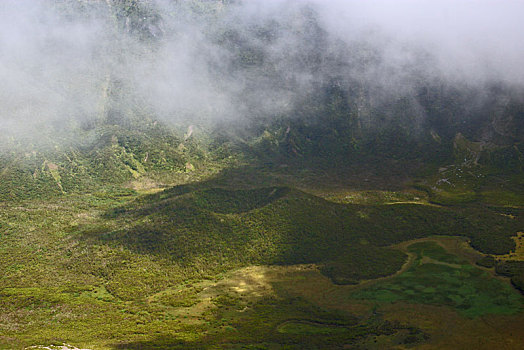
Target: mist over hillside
194 62
117 89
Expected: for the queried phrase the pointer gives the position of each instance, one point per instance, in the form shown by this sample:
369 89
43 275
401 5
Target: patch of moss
359 262
442 281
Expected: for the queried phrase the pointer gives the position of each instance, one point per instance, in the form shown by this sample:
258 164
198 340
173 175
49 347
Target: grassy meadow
152 268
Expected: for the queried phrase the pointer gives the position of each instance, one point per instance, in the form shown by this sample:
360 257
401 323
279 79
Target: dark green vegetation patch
440 278
513 269
216 229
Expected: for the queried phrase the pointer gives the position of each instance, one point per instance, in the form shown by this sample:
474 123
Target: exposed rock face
466 151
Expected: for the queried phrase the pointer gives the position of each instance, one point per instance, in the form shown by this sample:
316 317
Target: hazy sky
256 57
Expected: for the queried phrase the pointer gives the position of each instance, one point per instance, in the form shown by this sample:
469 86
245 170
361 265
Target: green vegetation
440 278
487 261
363 261
216 229
122 232
513 269
308 328
125 266
106 153
287 322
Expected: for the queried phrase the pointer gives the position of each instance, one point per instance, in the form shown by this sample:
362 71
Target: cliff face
311 88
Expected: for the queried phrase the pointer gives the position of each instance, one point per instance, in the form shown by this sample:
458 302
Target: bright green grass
434 251
446 280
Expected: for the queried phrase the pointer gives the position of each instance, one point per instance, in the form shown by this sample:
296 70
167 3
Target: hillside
248 175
